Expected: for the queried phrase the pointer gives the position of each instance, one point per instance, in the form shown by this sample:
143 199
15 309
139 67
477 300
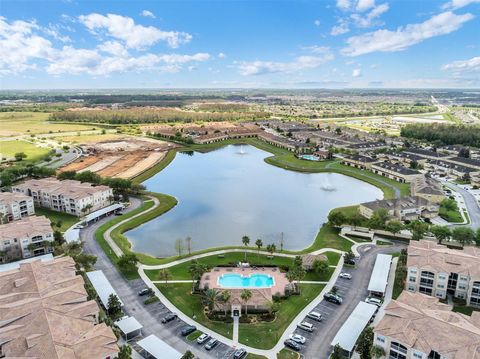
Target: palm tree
226 296
259 245
164 274
196 270
377 352
271 248
211 297
246 242
246 295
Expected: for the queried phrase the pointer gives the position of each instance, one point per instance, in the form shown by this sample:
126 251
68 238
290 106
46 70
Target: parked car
169 317
345 275
212 343
375 301
350 261
240 353
203 338
292 344
297 338
188 329
306 326
315 315
333 298
145 291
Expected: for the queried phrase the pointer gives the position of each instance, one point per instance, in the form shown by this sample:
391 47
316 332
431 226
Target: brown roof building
44 313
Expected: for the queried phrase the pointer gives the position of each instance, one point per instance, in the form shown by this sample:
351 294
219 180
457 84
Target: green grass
151 300
272 331
287 354
255 356
328 237
180 295
33 152
67 220
464 309
452 216
193 336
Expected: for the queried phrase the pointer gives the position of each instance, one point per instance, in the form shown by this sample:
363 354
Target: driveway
353 291
470 202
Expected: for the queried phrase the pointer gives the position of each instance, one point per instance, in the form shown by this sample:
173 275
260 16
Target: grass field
34 153
92 138
21 123
66 220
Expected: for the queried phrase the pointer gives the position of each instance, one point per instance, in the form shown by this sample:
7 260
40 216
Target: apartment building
359 161
396 172
27 237
416 326
404 158
428 154
405 208
15 206
67 196
437 270
46 314
427 188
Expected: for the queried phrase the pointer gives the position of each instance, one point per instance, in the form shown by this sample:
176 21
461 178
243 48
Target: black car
289 343
189 329
333 298
145 291
350 261
239 353
169 317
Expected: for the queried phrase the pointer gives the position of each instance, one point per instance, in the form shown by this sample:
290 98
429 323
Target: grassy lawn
400 276
180 295
255 356
34 153
452 216
194 335
272 331
464 309
92 138
328 237
67 220
287 354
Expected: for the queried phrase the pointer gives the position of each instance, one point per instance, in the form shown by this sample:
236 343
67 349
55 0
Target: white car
345 275
203 338
375 301
297 338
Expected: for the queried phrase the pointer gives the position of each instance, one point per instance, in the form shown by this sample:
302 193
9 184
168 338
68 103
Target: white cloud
341 28
268 67
317 22
363 5
362 20
344 4
404 37
135 36
315 49
113 48
356 73
146 13
457 4
221 55
469 65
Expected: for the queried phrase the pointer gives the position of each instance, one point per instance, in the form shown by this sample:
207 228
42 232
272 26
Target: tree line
444 134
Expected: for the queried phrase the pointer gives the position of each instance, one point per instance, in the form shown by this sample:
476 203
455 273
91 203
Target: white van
305 326
315 315
375 301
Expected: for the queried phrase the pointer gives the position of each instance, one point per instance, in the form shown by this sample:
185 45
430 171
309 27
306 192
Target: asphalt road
470 202
353 291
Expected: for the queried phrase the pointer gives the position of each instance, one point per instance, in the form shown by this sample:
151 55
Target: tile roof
26 227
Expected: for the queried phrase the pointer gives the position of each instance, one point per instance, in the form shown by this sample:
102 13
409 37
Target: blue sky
233 44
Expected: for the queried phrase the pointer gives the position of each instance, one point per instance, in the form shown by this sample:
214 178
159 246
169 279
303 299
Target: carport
379 279
130 327
95 216
348 334
102 286
157 348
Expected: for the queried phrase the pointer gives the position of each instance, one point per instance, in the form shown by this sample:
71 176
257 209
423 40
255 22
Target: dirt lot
123 158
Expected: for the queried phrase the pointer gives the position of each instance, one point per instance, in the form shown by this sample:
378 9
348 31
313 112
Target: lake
231 192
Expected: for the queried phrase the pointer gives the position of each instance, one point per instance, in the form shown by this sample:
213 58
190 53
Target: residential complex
28 237
437 270
67 196
416 326
404 208
45 314
15 206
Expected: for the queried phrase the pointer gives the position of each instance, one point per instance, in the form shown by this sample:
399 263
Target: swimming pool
233 280
310 157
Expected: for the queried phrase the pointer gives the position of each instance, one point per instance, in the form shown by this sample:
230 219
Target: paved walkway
236 323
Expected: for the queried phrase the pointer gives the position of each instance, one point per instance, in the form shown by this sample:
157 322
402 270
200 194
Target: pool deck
210 279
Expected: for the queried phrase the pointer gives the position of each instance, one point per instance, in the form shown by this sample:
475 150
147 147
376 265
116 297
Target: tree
85 261
463 235
377 352
364 343
164 274
336 218
334 290
271 248
259 245
19 156
379 218
441 233
226 296
125 352
246 242
196 270
298 273
394 227
128 262
348 256
179 246
246 295
188 240
337 352
211 297
320 266
67 175
464 152
87 208
58 238
188 355
114 307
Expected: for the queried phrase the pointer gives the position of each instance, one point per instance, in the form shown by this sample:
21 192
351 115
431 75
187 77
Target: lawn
464 309
287 354
450 212
328 237
66 220
20 123
92 138
34 153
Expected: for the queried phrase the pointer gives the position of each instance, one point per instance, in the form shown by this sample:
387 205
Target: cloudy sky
226 44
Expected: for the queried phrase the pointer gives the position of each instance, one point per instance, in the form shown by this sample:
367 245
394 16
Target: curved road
470 202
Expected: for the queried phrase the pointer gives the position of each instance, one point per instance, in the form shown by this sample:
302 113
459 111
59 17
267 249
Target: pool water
252 281
310 157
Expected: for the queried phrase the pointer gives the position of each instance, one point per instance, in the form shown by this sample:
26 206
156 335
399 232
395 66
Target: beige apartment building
67 196
15 206
404 208
396 172
45 314
25 238
436 270
416 326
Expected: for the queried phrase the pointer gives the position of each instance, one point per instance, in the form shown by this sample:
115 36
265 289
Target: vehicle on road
350 262
188 329
375 301
169 317
212 343
333 298
145 291
306 326
203 338
315 315
240 353
289 343
345 275
297 338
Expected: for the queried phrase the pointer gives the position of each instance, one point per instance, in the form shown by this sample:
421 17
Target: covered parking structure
157 348
348 334
379 279
107 211
102 286
130 327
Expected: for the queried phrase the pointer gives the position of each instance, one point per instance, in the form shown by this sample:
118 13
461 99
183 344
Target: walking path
236 323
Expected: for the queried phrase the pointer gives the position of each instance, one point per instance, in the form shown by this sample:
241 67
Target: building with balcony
67 196
15 206
396 172
403 209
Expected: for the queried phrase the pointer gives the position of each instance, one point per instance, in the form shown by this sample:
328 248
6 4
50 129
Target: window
462 287
412 279
463 278
440 285
398 351
417 355
380 339
442 277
